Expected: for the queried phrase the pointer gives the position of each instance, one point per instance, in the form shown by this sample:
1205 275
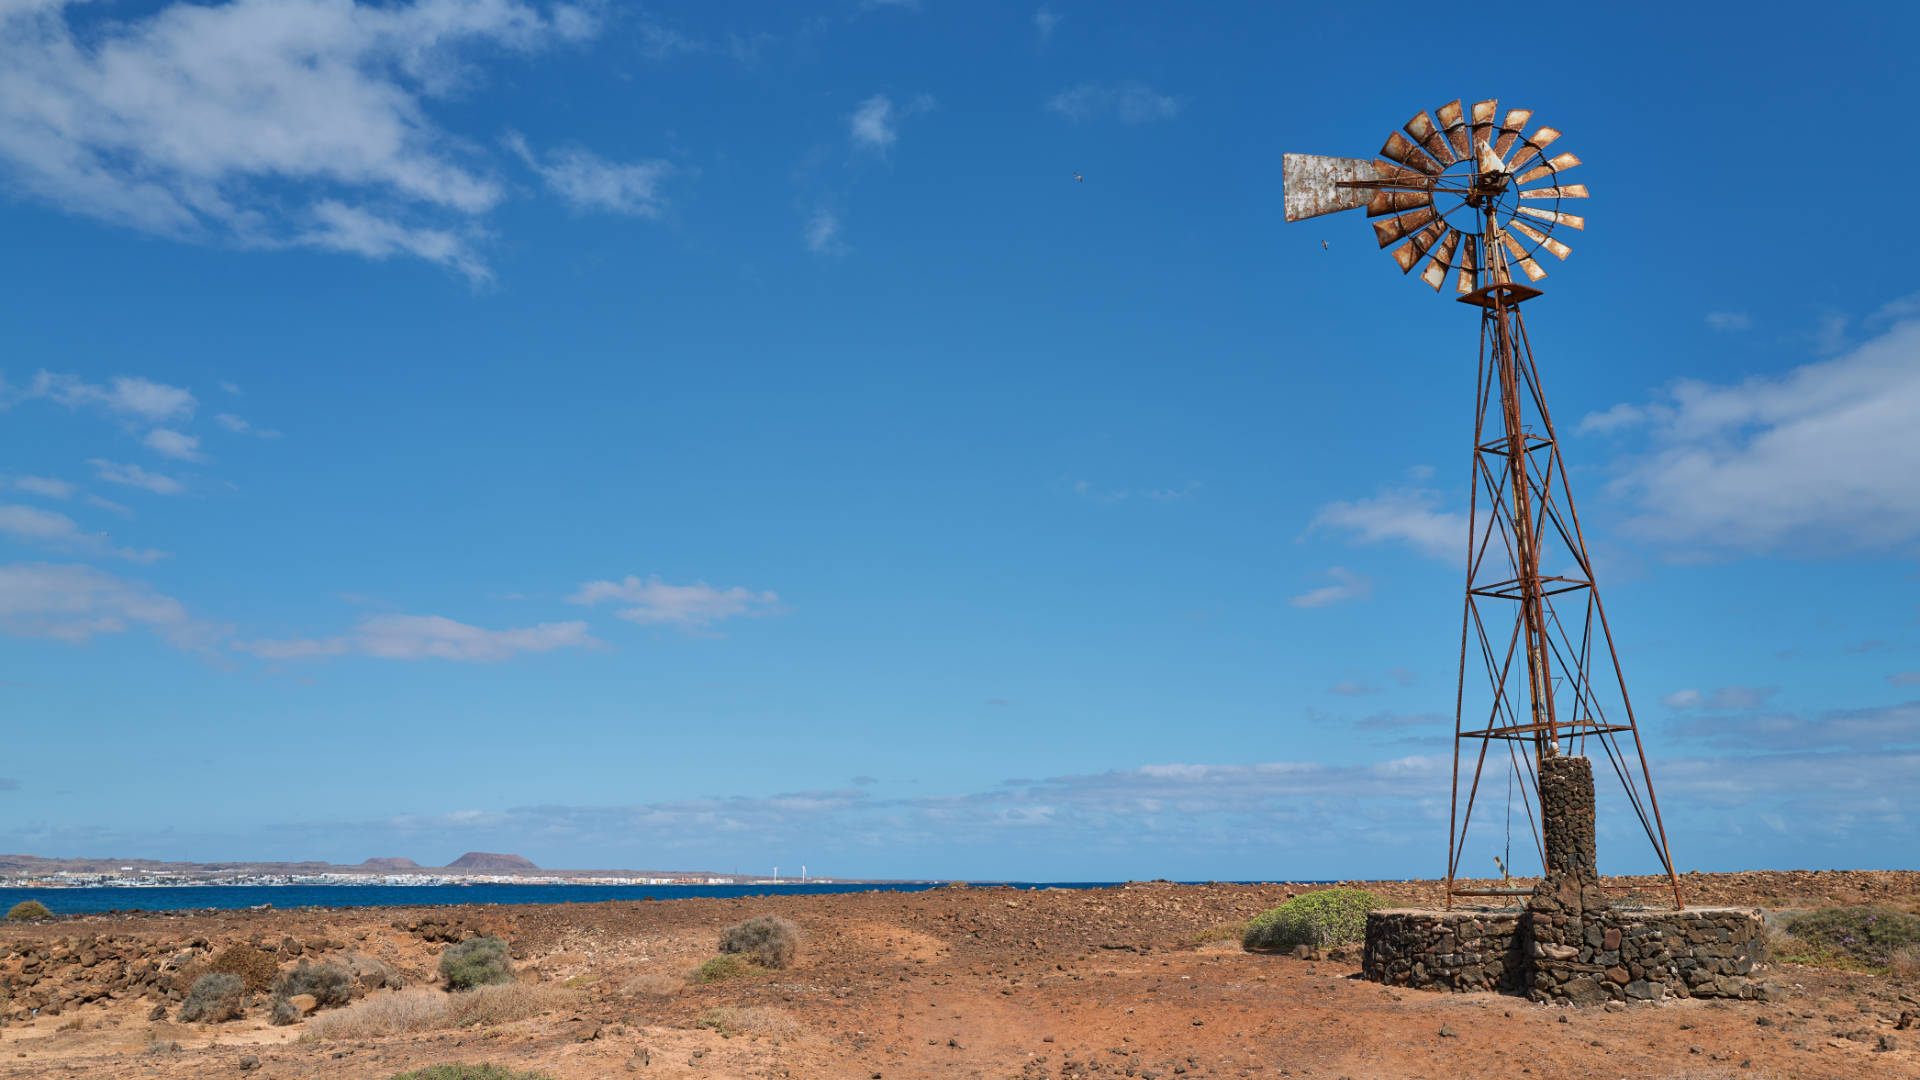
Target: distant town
473 868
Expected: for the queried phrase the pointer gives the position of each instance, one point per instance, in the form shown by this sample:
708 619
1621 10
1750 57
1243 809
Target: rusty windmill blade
1409 253
1436 272
1396 228
1469 266
1489 159
1541 138
1560 250
1527 265
1429 137
1571 221
1313 188
1571 191
1454 127
1393 202
1394 174
1510 129
1483 112
1400 149
1560 163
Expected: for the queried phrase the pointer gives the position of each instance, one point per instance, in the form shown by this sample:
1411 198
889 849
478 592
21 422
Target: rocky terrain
1132 981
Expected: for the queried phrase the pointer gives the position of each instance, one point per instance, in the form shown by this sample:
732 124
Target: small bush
480 961
720 969
1905 963
469 1072
484 1006
27 909
397 1013
767 940
1329 917
330 984
255 968
284 1012
750 1020
1871 936
214 997
652 984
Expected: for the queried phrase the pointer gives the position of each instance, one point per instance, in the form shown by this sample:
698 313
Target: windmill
1472 197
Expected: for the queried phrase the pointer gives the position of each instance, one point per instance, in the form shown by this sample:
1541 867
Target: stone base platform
1620 954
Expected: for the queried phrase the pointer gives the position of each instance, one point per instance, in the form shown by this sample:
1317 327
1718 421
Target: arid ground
1137 981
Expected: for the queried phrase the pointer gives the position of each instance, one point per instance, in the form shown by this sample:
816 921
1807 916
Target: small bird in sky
1324 247
1080 179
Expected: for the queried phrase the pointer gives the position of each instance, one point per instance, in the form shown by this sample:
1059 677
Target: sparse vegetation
330 984
480 961
485 1006
1223 932
214 997
1328 917
652 984
254 967
469 1072
284 1012
430 1010
1864 938
768 940
751 1020
721 968
27 909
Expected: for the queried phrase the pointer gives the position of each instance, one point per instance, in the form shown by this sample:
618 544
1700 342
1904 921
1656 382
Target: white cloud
60 532
1729 320
134 476
692 606
41 485
589 182
108 505
875 125
73 603
230 388
423 637
823 233
264 123
1131 102
1904 678
1046 21
1774 462
241 427
1723 699
661 42
123 395
1406 515
174 444
1346 585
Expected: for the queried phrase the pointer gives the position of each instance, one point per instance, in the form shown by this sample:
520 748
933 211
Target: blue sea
80 900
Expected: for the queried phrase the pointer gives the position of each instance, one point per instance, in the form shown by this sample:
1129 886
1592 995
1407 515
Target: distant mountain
487 860
390 864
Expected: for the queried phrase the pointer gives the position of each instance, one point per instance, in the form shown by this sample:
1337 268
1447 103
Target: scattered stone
1907 1020
1888 1042
159 1013
1447 1032
306 1003
249 1062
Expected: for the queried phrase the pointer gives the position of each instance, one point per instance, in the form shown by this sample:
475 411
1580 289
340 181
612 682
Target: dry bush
480 961
27 909
720 969
255 968
329 984
652 984
215 996
394 1013
767 940
751 1020
1905 963
504 1003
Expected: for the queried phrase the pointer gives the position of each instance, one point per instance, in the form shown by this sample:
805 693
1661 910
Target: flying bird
1080 179
1324 247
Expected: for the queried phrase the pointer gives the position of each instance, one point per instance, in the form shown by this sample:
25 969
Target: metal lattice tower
1475 199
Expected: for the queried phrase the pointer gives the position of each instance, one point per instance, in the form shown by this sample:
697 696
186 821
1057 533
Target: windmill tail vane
1471 196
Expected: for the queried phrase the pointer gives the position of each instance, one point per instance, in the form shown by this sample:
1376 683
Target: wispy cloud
589 182
295 122
1729 321
696 606
1346 585
44 486
1046 21
1087 490
1130 102
425 637
1407 515
114 472
241 427
875 125
823 233
73 603
174 444
1726 697
59 532
128 396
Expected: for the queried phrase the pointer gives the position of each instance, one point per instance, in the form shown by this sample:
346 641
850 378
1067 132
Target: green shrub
329 984
721 968
1329 917
469 1072
1870 935
255 968
767 940
215 996
28 909
479 961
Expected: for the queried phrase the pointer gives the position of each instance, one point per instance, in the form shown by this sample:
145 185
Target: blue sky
725 435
